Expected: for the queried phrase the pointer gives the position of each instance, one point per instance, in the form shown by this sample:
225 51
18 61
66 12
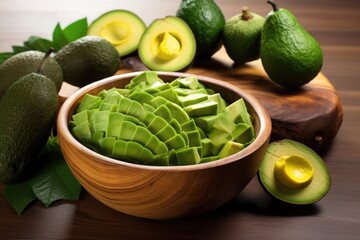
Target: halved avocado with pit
294 173
122 28
168 44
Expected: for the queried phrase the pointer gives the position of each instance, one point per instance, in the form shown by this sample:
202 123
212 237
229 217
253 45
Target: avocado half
306 193
168 44
122 28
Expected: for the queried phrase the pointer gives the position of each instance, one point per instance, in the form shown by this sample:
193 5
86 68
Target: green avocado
88 59
122 28
241 36
168 44
290 55
206 21
28 112
294 173
27 62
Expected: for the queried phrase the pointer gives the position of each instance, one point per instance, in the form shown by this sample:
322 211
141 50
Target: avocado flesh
168 44
27 62
290 55
206 21
314 191
122 28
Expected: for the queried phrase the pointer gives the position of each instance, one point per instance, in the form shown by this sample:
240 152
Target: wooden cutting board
311 115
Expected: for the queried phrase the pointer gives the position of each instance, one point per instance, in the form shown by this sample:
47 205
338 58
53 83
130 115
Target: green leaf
52 181
59 38
76 30
55 181
4 56
19 49
19 195
39 44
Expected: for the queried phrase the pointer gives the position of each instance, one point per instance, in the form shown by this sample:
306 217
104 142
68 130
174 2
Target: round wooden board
311 114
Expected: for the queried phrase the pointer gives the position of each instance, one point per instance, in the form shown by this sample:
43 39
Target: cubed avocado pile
154 122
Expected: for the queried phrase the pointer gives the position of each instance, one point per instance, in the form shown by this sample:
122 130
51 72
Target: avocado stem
47 54
246 15
274 6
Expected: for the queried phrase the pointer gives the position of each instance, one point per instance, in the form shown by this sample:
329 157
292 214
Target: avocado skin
28 112
27 62
206 21
290 55
88 59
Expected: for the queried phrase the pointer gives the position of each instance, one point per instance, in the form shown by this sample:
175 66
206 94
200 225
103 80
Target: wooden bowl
163 192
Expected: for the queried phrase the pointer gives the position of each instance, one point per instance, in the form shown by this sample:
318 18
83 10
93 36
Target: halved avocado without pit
168 44
294 173
122 28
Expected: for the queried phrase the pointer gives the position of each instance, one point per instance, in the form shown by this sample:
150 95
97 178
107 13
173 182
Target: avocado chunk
27 62
88 59
168 44
206 21
294 173
122 28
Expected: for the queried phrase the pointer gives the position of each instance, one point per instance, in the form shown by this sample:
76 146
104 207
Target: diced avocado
225 124
206 122
155 145
134 150
177 112
147 77
159 160
158 101
169 94
237 112
188 156
83 132
86 102
192 99
219 137
112 97
207 146
126 130
217 98
141 97
80 117
107 145
163 112
141 135
189 126
208 107
136 110
194 138
176 142
166 133
189 82
176 125
114 124
124 105
186 91
157 124
230 148
119 149
243 133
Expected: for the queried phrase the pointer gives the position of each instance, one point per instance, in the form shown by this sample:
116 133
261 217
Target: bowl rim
262 136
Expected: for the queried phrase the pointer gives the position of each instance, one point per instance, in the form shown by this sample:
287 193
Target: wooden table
252 214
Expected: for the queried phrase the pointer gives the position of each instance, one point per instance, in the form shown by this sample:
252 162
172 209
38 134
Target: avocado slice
168 44
122 28
294 173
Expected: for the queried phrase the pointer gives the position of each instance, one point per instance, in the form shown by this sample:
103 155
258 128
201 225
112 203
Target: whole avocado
88 59
206 21
27 62
290 55
28 112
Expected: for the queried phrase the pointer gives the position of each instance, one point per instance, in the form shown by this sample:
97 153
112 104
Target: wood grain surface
250 215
